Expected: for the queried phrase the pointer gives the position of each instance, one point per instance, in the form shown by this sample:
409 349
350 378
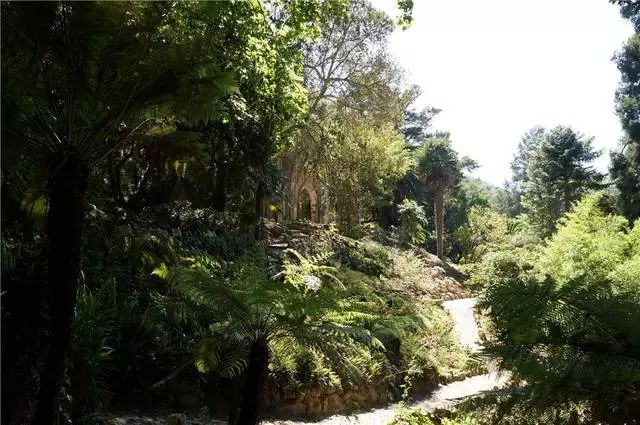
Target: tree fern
246 307
569 343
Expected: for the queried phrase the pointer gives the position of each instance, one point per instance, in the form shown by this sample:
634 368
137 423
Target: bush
411 416
367 257
413 222
417 416
90 356
566 321
498 265
587 243
485 231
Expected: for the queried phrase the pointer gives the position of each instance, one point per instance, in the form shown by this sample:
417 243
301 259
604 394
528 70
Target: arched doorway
304 205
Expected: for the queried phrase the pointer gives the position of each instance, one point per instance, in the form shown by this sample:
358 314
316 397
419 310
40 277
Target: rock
372 395
335 404
176 419
438 273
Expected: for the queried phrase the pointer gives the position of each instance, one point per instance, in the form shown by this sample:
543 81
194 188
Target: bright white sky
498 67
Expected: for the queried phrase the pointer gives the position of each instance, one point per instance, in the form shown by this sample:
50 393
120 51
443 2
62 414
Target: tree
364 160
529 143
252 312
441 170
484 231
66 110
557 173
357 98
625 164
412 222
506 199
588 244
565 320
471 192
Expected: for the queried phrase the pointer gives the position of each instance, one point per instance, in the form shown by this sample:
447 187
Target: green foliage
416 416
90 357
509 262
564 318
412 222
411 416
307 274
557 172
439 165
506 200
362 163
588 244
484 232
248 306
367 257
626 162
570 342
197 102
441 169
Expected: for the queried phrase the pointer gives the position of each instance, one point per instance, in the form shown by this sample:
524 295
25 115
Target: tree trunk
440 224
220 191
256 375
64 231
260 195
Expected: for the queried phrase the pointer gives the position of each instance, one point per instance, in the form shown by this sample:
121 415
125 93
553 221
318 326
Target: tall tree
527 146
416 127
625 163
441 169
66 110
558 171
357 98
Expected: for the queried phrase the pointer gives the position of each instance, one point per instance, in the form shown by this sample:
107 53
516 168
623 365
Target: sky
496 68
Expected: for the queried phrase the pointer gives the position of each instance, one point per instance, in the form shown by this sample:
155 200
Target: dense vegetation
165 170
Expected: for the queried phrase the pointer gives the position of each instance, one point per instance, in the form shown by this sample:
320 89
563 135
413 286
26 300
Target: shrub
484 231
498 265
413 222
411 416
587 243
367 257
571 343
90 357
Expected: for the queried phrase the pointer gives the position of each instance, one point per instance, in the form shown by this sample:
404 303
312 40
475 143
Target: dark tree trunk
64 232
219 202
440 224
259 211
256 376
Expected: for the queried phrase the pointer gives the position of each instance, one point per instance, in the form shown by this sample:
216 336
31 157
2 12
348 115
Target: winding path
461 311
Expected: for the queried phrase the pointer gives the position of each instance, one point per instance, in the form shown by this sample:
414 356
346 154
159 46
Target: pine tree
557 173
625 163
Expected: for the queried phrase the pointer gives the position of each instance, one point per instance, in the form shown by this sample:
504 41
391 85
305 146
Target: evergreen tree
625 163
557 172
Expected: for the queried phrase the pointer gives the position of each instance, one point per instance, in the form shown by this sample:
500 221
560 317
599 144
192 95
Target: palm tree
79 79
441 170
301 307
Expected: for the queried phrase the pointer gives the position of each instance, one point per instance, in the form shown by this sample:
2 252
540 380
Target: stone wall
325 400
